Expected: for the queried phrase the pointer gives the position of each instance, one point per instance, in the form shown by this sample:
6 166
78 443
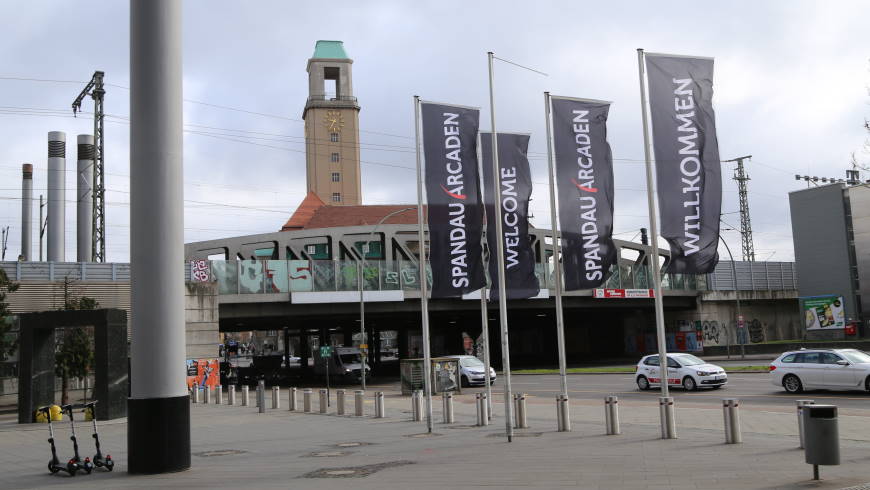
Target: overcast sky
790 89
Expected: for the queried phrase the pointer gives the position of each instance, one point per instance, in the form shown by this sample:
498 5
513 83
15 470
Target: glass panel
277 280
678 281
299 275
324 275
371 275
641 277
251 277
666 281
347 275
613 280
390 276
409 276
226 273
541 275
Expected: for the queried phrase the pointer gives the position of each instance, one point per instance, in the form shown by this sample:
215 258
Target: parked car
684 370
472 371
827 369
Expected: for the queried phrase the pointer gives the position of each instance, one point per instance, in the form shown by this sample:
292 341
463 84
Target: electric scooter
99 460
86 464
54 465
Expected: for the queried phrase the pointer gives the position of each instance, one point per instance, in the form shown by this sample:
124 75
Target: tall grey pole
41 226
360 283
84 198
424 286
27 211
158 429
654 234
557 268
362 324
484 322
737 296
502 294
56 196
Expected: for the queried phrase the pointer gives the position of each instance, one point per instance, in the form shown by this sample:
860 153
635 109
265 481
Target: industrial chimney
84 199
56 196
26 210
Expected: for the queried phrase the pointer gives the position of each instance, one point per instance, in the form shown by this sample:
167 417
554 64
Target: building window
336 197
336 177
334 157
333 137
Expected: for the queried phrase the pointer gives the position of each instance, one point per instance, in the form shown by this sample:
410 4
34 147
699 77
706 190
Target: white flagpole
668 428
557 269
484 321
424 286
502 295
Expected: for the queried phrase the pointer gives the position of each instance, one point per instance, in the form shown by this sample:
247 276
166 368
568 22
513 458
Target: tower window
334 157
336 177
336 197
333 137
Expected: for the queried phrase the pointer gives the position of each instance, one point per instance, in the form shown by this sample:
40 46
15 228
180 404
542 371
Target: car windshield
689 360
349 358
855 356
471 362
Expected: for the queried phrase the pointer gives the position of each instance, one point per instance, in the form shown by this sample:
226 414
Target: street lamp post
736 295
362 309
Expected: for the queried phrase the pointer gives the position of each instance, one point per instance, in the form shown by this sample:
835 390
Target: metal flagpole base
666 412
150 447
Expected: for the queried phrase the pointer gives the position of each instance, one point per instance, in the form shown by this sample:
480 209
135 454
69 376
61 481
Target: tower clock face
333 121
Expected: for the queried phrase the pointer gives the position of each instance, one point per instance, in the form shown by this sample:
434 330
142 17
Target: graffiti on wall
200 271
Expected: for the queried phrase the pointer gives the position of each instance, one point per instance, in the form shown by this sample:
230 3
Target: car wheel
792 384
689 384
642 383
464 382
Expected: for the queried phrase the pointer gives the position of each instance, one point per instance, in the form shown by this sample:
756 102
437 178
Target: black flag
453 198
516 189
584 172
688 176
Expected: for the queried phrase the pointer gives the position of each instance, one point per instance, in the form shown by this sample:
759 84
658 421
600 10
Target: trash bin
821 435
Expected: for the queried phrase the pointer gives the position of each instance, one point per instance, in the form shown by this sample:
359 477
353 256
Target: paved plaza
237 447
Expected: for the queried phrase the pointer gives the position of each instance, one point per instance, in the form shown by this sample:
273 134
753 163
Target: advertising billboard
823 312
203 373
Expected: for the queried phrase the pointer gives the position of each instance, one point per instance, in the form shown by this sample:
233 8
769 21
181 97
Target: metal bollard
231 395
417 406
520 419
379 405
611 415
195 393
190 394
358 402
276 397
209 394
292 398
324 400
800 416
261 396
306 400
447 407
339 402
732 420
482 412
666 414
246 396
218 394
563 417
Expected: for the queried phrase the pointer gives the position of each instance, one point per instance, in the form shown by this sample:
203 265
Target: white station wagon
684 370
827 369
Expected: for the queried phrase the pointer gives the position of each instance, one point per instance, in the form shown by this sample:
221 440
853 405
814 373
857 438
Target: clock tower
332 127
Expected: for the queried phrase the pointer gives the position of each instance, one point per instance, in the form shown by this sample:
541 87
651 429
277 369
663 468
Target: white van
345 363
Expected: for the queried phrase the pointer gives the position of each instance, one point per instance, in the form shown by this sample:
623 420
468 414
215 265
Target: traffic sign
364 346
325 351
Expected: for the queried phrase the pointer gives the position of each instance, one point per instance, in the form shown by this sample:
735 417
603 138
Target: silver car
827 369
473 371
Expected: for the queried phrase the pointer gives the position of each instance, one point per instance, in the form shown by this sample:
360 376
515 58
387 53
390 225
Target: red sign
624 293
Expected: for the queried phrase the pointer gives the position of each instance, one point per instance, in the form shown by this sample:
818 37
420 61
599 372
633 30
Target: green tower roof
329 49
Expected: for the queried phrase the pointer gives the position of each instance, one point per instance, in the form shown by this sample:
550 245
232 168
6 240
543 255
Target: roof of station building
313 213
330 49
